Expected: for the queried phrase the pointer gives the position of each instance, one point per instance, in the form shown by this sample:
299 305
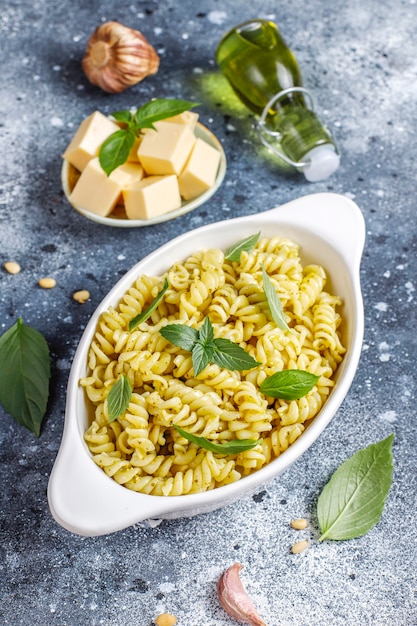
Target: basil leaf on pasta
180 335
141 317
205 349
274 303
228 447
202 355
353 500
119 397
206 332
25 372
246 245
289 384
232 356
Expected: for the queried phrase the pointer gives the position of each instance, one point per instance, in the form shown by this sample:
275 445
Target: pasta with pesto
142 449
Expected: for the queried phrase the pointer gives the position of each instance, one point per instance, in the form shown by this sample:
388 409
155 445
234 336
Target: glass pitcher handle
265 133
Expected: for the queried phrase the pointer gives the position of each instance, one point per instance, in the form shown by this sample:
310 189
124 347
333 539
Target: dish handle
75 494
333 217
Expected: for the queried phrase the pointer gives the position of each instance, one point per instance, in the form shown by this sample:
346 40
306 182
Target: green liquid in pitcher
259 65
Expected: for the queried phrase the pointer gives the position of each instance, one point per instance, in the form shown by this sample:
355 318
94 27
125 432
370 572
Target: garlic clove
118 57
234 598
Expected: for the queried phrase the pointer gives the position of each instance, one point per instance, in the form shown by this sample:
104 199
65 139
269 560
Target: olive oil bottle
264 74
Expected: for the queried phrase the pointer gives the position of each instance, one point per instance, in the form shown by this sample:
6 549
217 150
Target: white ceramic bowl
119 219
331 231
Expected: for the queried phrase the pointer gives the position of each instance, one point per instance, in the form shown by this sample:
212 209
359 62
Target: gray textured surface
359 61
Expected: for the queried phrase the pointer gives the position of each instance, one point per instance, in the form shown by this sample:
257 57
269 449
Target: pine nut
299 524
300 546
47 283
166 619
81 296
12 267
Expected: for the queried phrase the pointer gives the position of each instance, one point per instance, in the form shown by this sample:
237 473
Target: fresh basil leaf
274 303
180 335
141 317
119 397
205 349
202 351
246 245
25 372
160 109
206 332
123 116
289 384
228 447
232 356
115 150
202 355
353 500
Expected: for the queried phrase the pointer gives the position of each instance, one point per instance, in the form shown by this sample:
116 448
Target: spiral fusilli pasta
142 450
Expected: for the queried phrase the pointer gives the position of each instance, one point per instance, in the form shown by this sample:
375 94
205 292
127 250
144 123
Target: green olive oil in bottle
264 74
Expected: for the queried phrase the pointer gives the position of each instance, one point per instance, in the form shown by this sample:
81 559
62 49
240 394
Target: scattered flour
217 17
410 288
57 122
389 416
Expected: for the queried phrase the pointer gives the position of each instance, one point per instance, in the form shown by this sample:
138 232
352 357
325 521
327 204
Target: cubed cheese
152 196
165 150
133 154
98 193
128 173
85 144
200 170
187 117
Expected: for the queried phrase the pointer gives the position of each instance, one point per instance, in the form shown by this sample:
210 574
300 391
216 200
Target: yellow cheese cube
98 193
200 170
85 144
133 154
165 150
152 196
128 173
186 117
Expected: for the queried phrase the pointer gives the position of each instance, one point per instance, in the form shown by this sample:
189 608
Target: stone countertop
358 59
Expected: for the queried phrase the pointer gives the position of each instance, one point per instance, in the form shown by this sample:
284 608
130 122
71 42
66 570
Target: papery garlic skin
234 598
118 57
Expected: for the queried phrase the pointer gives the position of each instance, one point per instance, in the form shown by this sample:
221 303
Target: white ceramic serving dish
331 231
119 219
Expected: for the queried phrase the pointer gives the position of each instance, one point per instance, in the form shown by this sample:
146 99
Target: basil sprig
289 384
246 245
206 349
119 397
115 149
353 500
25 372
228 447
143 316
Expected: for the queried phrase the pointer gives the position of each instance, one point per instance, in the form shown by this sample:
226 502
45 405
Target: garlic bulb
118 57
